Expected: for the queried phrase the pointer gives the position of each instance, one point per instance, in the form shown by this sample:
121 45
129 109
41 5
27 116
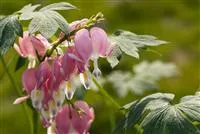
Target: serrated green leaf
44 24
190 105
62 23
168 120
10 27
47 21
20 62
125 45
114 57
16 26
29 8
137 110
156 117
130 43
58 6
27 12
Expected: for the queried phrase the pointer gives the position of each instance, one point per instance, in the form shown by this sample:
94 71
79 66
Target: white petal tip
20 100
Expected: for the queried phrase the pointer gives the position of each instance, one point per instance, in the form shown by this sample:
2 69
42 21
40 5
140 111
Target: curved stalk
17 89
105 93
35 122
93 20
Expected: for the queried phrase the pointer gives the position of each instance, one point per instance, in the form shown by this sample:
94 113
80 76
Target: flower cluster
52 80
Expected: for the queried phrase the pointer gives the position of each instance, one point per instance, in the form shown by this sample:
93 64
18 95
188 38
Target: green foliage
20 62
10 28
59 6
145 78
46 20
130 44
114 57
156 115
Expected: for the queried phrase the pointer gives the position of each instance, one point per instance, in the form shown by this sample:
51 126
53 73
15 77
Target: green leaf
190 105
59 6
10 27
46 20
2 17
29 8
27 12
130 43
125 45
137 110
20 62
44 24
62 23
156 115
114 56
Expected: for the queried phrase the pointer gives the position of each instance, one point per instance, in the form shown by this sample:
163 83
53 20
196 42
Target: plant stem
35 122
17 89
105 93
96 19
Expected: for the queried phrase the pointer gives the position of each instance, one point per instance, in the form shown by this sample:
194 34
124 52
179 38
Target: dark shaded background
176 21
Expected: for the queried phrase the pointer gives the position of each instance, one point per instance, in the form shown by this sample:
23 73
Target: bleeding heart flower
68 64
76 120
90 45
29 46
42 85
83 45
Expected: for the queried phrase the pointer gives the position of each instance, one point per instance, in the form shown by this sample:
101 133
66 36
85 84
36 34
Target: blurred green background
176 21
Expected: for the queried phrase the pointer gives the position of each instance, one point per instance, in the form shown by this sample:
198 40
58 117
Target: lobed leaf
45 25
59 6
46 20
10 28
155 115
114 56
130 43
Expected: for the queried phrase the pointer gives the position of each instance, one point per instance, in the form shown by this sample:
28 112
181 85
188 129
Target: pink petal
75 24
44 80
21 99
57 74
29 80
26 46
38 45
43 40
68 64
83 44
99 40
82 120
63 120
16 47
44 72
84 106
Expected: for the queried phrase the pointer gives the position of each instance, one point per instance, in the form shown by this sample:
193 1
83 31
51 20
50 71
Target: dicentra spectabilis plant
50 78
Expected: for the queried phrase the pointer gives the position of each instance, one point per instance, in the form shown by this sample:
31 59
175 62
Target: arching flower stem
104 93
18 91
93 20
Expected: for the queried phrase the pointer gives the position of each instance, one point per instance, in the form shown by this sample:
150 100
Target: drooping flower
76 120
42 85
29 46
90 44
83 46
68 71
